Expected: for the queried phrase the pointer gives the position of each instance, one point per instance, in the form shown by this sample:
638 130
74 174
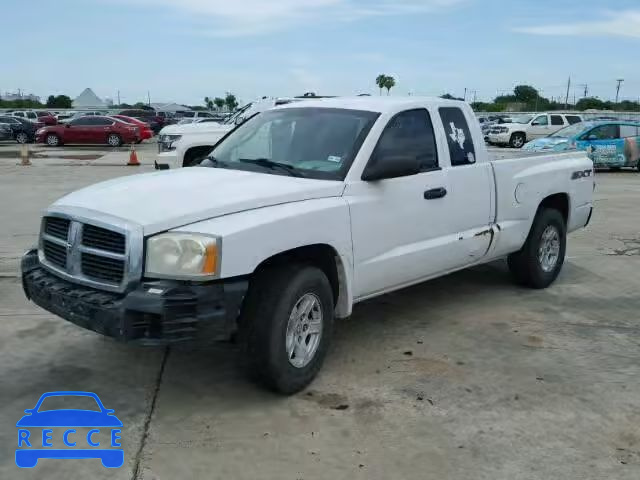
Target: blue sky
183 50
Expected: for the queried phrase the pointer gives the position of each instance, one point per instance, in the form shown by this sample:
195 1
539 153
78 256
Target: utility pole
475 96
620 80
118 97
566 99
465 94
148 98
586 90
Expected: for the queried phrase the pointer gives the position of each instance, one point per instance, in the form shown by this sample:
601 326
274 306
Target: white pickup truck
300 213
185 145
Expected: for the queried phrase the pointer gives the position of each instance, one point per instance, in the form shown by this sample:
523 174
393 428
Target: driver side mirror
239 120
66 125
390 166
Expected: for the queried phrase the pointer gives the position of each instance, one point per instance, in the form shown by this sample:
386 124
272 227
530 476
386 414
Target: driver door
401 226
75 131
539 127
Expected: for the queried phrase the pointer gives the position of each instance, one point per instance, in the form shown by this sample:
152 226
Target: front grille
55 254
101 268
103 239
91 255
57 227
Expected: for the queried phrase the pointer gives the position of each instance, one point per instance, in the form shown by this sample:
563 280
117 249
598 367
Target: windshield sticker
457 134
333 158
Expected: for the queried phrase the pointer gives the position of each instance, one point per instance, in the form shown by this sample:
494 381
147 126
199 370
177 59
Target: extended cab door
401 226
471 187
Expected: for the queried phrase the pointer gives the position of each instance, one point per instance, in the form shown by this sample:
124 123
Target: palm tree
219 102
389 83
380 79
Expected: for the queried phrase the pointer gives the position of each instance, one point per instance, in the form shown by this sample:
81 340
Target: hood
195 128
547 143
169 199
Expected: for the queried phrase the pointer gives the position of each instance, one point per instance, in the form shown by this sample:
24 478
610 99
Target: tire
517 140
638 166
22 138
114 140
52 140
531 266
268 326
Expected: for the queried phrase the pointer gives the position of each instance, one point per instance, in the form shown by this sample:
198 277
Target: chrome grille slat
57 227
103 239
102 268
56 254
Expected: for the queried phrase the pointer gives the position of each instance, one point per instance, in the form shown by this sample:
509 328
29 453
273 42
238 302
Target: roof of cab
374 104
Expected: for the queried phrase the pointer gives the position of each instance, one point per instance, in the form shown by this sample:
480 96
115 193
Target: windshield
521 119
571 130
311 142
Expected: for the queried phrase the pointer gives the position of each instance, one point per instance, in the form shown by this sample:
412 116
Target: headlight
187 256
167 142
40 131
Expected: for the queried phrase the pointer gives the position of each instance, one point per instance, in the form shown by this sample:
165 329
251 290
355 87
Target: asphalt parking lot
464 377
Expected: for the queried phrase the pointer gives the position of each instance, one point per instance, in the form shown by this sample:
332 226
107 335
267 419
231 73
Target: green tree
525 94
59 101
448 96
231 102
389 83
219 102
51 100
590 102
380 79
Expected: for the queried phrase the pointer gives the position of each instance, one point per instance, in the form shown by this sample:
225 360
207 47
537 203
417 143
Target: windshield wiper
270 164
212 162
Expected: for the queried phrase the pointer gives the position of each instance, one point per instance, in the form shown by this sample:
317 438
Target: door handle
435 193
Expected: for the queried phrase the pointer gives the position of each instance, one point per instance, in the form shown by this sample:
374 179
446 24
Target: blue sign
34 444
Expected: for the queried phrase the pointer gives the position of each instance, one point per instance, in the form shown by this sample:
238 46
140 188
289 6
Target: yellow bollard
24 155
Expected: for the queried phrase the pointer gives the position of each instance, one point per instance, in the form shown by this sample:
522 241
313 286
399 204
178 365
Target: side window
19 114
459 139
603 132
81 122
101 122
573 119
409 133
556 120
541 121
629 131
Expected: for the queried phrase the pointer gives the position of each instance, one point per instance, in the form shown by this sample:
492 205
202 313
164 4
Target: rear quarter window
459 141
573 119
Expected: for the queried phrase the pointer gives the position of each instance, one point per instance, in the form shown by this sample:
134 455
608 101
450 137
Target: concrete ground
465 377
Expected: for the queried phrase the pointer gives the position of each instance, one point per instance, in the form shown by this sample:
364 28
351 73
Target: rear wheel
52 140
540 260
286 324
22 137
517 140
114 140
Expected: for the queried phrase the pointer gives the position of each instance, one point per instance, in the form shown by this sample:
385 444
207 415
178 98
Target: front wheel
517 140
287 321
114 140
22 138
540 260
52 140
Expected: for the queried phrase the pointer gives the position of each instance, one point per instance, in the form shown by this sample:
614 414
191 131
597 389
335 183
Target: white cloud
255 17
622 24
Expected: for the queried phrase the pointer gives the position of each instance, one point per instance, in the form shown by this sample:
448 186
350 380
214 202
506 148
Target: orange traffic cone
133 158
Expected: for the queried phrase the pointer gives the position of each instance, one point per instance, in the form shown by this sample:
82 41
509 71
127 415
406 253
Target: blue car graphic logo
29 439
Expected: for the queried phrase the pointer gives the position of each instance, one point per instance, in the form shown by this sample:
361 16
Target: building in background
9 97
88 99
169 107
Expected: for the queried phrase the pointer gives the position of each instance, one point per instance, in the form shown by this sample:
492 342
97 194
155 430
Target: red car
89 129
145 129
46 118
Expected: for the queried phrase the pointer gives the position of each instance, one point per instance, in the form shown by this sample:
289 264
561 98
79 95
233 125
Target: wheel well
557 201
519 133
321 256
195 152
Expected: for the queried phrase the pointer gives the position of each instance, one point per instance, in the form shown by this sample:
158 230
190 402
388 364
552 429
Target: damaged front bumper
155 312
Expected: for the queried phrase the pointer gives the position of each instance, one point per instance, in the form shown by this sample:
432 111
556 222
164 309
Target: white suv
525 128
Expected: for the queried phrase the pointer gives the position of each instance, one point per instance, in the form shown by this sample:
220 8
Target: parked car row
21 130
